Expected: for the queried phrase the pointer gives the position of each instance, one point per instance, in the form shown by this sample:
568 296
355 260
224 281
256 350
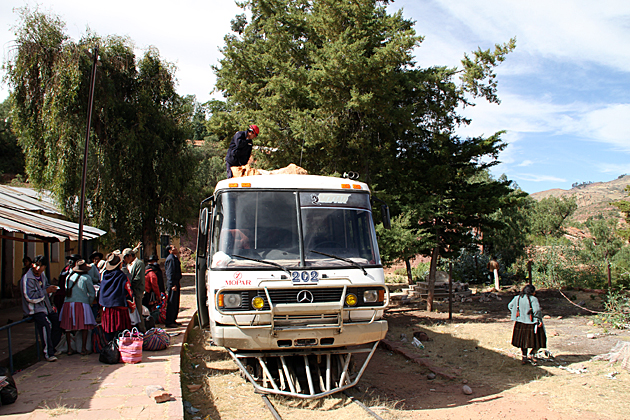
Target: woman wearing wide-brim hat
76 313
116 298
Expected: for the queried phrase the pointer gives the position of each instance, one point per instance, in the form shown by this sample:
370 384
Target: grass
56 408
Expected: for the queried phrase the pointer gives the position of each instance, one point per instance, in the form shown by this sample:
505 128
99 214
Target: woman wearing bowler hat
116 298
76 313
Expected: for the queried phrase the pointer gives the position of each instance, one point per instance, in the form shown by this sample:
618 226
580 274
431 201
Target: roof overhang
20 213
41 226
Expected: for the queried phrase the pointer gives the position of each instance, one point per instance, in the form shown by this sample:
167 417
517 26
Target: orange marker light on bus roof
233 185
356 186
246 184
345 185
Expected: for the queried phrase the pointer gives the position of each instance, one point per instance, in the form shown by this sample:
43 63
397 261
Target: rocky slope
592 198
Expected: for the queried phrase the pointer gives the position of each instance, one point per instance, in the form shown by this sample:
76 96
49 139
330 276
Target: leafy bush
472 267
617 310
559 265
418 273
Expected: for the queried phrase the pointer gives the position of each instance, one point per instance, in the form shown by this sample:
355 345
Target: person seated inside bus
234 240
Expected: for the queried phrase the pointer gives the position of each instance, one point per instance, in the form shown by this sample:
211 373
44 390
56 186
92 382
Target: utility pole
87 144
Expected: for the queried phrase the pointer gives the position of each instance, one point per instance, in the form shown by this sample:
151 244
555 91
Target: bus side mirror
387 222
203 221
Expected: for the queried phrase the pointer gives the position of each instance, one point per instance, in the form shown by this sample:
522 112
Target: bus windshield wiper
283 268
342 259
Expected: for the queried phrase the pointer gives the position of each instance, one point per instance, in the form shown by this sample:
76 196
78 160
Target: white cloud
610 124
526 163
611 168
538 178
520 115
564 29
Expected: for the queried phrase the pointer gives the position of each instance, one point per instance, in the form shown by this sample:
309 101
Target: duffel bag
156 339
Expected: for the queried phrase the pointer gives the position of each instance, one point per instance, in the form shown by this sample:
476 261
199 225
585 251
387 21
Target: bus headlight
370 296
258 302
351 299
230 300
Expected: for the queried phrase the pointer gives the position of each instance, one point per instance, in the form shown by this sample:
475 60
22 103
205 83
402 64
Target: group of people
114 288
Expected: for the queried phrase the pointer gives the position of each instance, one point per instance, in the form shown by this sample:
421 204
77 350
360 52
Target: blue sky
565 90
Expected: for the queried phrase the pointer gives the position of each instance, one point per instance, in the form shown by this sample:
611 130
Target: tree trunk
149 242
432 270
409 275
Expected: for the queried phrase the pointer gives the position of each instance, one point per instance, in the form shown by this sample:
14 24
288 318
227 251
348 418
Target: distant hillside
591 198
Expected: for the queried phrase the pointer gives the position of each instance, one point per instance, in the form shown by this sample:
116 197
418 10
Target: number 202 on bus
304 277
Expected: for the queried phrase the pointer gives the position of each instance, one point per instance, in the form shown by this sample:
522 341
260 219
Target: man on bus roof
240 149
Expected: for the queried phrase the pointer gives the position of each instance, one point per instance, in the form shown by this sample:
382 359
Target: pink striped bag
130 346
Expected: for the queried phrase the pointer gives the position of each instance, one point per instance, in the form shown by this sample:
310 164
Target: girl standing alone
529 332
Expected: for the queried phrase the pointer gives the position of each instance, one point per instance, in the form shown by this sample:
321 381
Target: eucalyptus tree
11 156
139 161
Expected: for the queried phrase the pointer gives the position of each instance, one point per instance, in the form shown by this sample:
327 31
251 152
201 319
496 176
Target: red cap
254 128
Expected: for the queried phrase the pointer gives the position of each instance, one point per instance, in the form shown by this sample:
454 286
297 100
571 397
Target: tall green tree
334 88
509 238
452 196
139 162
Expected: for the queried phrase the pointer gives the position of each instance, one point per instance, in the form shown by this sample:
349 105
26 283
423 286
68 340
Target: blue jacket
173 269
521 305
240 149
34 296
112 292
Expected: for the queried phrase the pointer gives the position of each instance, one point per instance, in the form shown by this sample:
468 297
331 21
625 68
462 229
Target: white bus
289 280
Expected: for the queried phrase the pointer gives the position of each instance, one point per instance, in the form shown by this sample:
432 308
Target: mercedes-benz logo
304 296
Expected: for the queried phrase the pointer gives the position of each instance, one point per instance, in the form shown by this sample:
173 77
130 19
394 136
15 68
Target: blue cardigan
113 292
521 304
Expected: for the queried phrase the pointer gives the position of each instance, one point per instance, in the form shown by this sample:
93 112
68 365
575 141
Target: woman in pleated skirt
76 313
116 298
529 331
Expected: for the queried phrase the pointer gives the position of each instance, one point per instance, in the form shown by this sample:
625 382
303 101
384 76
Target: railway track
277 416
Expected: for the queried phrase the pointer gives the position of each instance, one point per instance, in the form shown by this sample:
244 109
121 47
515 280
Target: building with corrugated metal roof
30 225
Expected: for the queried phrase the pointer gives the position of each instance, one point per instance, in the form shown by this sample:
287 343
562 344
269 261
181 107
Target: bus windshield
293 229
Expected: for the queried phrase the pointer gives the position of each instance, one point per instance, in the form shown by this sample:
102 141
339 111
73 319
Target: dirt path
474 350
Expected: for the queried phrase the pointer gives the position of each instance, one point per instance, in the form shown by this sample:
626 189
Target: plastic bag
9 392
135 317
110 354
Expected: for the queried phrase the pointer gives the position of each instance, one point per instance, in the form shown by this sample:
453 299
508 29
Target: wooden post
409 275
450 292
529 270
609 277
